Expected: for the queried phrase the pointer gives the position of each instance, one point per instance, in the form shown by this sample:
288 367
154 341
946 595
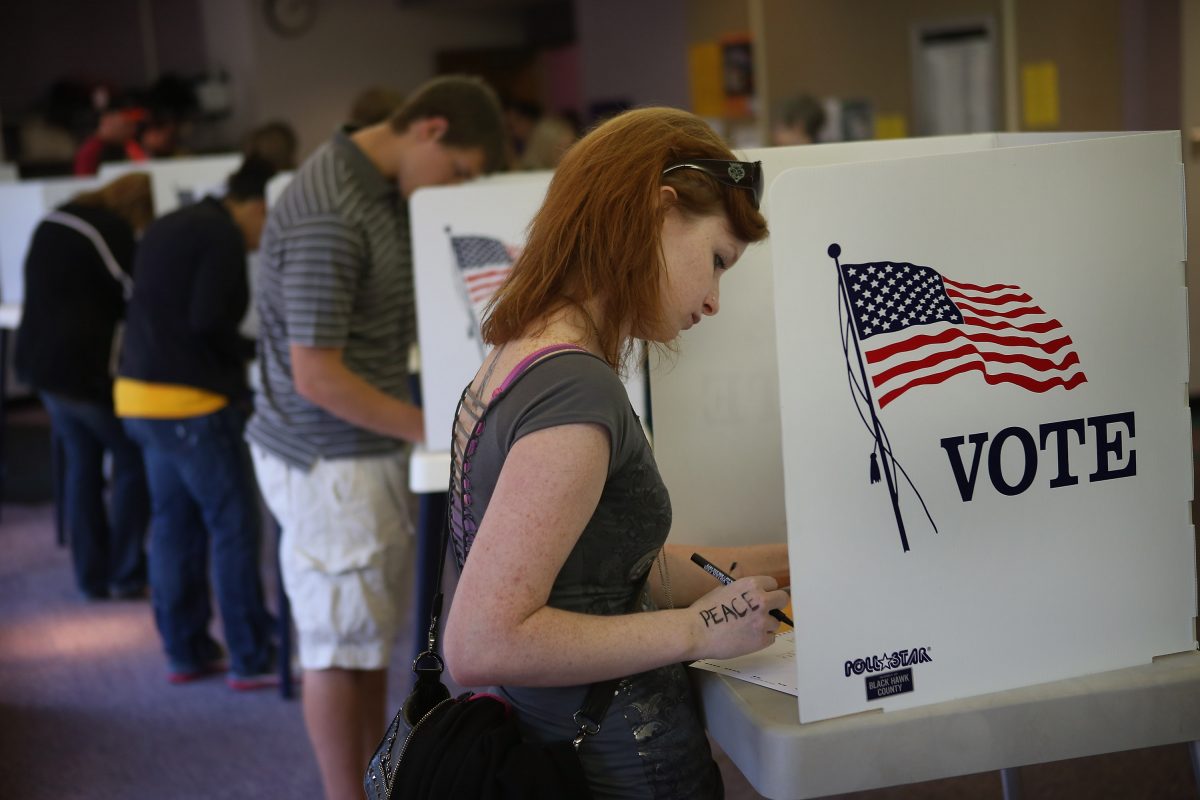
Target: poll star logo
886 660
484 263
905 326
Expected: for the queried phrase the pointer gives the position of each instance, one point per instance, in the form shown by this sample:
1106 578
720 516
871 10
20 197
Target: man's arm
322 378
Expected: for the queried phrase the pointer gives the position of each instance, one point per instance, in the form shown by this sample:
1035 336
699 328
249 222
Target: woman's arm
677 581
500 630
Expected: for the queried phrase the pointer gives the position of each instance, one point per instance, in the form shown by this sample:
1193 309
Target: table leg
1195 748
1010 783
3 405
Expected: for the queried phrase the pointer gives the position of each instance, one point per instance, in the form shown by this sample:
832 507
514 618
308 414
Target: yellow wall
1083 38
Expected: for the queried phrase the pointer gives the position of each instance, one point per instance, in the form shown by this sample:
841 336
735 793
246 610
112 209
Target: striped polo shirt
335 271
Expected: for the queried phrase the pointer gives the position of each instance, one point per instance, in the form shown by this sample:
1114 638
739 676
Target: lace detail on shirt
468 426
469 419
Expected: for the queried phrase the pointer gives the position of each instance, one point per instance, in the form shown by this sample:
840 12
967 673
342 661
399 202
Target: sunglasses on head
738 174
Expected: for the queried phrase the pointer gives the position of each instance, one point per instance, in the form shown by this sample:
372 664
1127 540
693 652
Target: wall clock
290 18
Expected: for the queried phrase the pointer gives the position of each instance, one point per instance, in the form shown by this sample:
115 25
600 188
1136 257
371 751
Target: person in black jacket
181 392
77 276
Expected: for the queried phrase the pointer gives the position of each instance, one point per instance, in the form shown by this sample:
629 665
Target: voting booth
983 366
465 239
987 509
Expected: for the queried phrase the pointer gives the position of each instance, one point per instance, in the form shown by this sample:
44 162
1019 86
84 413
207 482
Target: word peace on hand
723 613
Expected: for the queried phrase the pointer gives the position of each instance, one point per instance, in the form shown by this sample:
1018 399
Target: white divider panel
22 206
179 181
716 404
489 219
1059 488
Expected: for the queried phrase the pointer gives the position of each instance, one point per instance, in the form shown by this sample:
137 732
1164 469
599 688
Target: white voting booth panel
1007 354
22 206
464 238
178 182
716 404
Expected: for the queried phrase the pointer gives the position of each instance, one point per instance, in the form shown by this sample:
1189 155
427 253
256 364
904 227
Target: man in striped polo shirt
335 303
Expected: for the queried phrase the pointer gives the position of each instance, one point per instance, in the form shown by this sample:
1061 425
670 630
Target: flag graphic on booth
911 326
483 264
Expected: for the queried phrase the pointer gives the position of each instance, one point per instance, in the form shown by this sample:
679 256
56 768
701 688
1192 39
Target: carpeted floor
86 712
85 708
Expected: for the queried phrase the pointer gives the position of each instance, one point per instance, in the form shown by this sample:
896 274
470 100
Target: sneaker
179 676
250 683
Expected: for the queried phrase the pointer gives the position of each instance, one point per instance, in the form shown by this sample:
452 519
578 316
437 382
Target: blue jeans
107 542
205 501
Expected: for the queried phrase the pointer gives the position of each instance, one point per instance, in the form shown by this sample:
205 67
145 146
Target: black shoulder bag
468 747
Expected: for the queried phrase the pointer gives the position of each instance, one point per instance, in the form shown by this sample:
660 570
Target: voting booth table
954 380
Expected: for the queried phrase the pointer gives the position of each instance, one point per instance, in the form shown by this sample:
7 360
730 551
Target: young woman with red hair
558 515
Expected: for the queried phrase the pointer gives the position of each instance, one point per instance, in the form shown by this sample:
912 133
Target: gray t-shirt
651 743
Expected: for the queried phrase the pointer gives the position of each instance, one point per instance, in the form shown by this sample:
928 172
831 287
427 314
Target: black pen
713 570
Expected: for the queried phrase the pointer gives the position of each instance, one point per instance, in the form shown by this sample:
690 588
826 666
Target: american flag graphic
919 328
483 263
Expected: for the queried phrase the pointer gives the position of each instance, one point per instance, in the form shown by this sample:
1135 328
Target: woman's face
697 251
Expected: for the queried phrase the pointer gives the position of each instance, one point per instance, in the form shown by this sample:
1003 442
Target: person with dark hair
331 425
158 134
798 120
77 279
182 394
558 516
274 142
520 119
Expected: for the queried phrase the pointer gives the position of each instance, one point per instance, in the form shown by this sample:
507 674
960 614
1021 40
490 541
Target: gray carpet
85 708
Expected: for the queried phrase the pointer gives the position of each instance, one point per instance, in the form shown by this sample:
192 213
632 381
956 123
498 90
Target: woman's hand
734 620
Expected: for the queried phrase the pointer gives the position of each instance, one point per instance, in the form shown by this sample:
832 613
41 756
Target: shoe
179 676
250 683
129 592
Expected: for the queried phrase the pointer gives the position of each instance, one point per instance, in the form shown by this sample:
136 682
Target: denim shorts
345 554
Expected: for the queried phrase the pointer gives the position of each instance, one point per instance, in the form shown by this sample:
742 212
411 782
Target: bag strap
429 665
110 262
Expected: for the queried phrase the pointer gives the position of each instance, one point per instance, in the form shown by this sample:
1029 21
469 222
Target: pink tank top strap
528 360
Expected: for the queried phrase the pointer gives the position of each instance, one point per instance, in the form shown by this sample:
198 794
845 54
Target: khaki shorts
344 554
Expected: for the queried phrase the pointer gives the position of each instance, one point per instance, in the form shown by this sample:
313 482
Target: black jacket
72 306
191 294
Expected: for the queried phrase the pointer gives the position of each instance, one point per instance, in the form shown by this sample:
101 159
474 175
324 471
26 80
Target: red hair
598 233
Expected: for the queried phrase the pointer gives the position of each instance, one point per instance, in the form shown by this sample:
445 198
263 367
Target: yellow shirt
133 398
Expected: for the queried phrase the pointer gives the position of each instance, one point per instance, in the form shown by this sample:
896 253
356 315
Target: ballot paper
773 667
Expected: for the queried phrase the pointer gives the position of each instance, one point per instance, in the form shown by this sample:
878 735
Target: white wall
310 80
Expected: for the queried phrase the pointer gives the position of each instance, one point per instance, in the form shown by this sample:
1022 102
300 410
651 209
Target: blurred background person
158 135
274 142
77 280
114 137
520 116
798 120
182 394
373 104
549 139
